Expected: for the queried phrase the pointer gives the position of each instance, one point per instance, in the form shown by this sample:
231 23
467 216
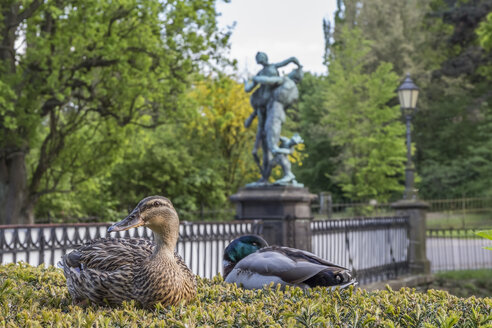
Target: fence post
416 212
325 204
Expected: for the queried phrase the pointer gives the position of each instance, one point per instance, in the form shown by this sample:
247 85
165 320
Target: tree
319 163
85 66
400 33
361 123
94 150
166 161
484 32
436 42
451 129
219 124
196 162
407 40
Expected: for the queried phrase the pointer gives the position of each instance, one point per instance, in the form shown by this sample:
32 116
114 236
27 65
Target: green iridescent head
239 248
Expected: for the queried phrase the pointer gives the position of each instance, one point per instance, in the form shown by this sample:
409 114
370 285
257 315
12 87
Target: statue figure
281 158
259 101
270 101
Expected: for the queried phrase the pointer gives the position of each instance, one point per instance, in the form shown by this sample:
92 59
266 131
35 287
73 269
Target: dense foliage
102 104
86 70
358 120
445 45
37 297
196 161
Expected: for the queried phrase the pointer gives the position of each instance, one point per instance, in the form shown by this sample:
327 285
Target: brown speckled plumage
109 271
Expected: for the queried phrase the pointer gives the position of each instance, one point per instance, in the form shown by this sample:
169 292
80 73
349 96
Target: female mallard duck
110 270
250 262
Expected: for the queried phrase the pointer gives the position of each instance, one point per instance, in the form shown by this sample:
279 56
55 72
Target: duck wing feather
294 266
103 270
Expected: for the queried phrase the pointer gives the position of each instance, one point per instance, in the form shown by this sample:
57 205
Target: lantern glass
413 98
404 96
408 93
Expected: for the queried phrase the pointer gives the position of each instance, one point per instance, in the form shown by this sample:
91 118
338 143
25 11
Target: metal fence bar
201 244
457 249
375 248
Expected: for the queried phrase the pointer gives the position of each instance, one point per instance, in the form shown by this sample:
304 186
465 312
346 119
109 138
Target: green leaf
485 233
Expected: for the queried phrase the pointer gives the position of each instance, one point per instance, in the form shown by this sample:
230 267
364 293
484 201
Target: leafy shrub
37 297
486 234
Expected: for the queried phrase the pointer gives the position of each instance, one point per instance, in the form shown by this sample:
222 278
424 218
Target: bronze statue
269 102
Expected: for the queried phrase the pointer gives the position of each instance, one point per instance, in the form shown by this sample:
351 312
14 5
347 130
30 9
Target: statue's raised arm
287 62
268 69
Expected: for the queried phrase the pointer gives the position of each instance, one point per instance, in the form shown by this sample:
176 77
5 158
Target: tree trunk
15 204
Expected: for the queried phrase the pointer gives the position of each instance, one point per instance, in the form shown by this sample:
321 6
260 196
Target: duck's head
239 248
156 213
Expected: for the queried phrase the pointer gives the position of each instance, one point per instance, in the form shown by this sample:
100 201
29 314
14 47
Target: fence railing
457 249
460 204
201 244
352 209
342 209
375 248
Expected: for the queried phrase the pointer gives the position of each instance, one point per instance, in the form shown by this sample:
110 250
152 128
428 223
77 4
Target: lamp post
410 206
408 93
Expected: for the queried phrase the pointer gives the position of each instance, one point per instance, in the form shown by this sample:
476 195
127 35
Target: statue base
284 210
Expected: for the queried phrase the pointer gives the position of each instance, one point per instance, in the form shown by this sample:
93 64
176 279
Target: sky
280 28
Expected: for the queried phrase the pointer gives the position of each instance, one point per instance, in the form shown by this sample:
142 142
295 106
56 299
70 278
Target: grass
465 283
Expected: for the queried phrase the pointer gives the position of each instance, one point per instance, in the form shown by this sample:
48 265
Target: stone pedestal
285 211
416 211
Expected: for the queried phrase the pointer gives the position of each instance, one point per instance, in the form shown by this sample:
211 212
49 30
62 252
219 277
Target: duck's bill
131 221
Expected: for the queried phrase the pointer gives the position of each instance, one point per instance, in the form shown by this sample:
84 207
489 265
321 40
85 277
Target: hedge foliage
38 297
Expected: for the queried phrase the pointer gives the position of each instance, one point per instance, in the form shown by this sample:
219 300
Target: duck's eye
156 204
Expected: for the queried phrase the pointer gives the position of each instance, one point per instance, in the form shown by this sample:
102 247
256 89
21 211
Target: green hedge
37 297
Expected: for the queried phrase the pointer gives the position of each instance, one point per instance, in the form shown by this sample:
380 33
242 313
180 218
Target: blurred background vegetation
464 283
103 103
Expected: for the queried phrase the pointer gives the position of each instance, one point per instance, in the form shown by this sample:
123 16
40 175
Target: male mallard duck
110 270
250 262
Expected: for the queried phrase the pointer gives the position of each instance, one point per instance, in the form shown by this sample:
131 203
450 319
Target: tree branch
119 13
95 62
49 105
51 191
26 13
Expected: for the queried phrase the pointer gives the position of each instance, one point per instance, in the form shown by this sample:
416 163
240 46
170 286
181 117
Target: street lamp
408 93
